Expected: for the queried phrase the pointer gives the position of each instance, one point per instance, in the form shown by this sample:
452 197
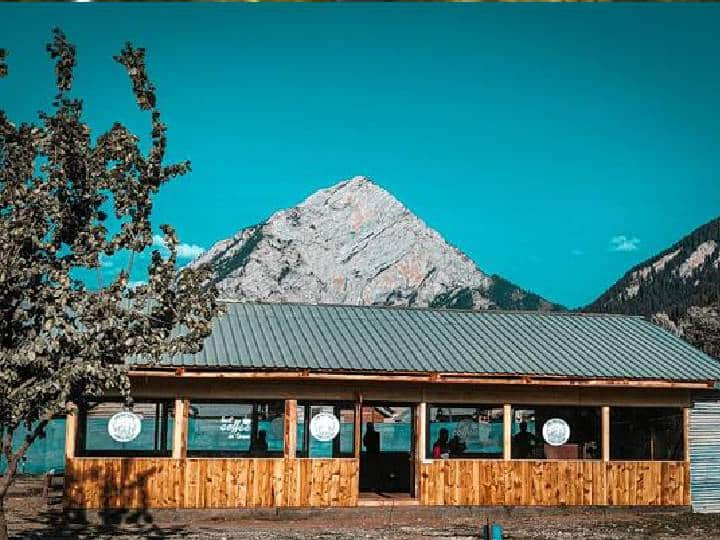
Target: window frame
465 455
163 408
684 433
534 407
303 447
272 454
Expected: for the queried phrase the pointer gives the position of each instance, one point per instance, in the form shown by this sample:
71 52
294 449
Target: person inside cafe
456 446
371 441
259 446
523 442
441 447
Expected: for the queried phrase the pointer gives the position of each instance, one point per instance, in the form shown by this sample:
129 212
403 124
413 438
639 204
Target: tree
701 327
62 342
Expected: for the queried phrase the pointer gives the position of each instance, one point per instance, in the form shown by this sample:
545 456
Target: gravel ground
30 517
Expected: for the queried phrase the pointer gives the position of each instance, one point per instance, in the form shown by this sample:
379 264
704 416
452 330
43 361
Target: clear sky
530 136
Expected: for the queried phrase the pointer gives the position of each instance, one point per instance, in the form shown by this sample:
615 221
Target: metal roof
254 336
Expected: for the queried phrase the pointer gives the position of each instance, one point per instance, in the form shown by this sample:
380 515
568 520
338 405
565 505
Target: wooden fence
209 483
488 482
284 482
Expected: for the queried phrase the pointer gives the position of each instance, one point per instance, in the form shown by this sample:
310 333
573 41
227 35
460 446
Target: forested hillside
679 288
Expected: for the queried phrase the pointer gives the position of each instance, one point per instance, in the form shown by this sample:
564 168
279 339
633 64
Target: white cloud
133 284
624 243
184 251
189 251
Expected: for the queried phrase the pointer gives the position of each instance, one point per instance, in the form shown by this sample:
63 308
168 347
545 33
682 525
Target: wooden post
290 428
686 434
605 430
421 437
179 447
71 426
507 431
358 425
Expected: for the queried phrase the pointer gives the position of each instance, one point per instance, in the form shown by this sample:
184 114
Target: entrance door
387 448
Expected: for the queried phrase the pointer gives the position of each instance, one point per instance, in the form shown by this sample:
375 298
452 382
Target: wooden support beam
686 434
435 378
418 449
358 425
507 431
290 428
605 429
180 429
71 427
421 436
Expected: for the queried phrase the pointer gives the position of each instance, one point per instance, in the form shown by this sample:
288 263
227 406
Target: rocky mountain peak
355 243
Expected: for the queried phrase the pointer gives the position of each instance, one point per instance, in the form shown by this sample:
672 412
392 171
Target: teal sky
529 136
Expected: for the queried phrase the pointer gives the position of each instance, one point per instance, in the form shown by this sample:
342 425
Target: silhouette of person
259 446
523 441
456 446
371 441
441 447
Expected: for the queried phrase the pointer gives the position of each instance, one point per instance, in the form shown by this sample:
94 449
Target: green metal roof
253 336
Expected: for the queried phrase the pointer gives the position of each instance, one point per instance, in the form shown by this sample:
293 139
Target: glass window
646 433
546 432
254 429
464 431
394 427
102 433
322 444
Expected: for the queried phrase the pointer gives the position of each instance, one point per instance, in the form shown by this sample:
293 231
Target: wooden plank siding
238 483
570 483
209 483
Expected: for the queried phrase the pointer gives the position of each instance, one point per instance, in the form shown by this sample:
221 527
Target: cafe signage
324 426
124 426
556 432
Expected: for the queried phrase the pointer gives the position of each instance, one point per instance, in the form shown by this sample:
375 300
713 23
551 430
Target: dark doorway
387 448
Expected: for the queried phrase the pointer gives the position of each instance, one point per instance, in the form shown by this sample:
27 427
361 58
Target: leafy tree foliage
701 327
62 342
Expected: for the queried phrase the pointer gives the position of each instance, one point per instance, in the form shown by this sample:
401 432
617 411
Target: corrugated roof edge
439 309
488 312
164 366
530 379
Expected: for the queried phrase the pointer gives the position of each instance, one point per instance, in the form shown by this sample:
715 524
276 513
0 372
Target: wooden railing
282 482
488 482
209 483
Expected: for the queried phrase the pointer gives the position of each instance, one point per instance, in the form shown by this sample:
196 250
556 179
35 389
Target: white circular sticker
468 431
324 426
556 432
124 426
277 426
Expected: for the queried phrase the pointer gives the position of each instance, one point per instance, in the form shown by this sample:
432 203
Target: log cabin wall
571 483
209 483
181 482
252 483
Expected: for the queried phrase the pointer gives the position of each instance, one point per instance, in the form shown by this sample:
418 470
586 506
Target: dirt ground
31 517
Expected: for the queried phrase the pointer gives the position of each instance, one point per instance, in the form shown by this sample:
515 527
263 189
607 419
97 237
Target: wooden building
299 405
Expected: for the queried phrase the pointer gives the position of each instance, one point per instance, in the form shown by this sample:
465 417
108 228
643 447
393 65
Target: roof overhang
421 377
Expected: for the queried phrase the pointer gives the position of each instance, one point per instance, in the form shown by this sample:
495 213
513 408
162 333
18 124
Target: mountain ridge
679 288
355 243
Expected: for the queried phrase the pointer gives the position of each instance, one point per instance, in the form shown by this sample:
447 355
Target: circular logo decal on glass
324 426
277 426
468 431
124 426
556 432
